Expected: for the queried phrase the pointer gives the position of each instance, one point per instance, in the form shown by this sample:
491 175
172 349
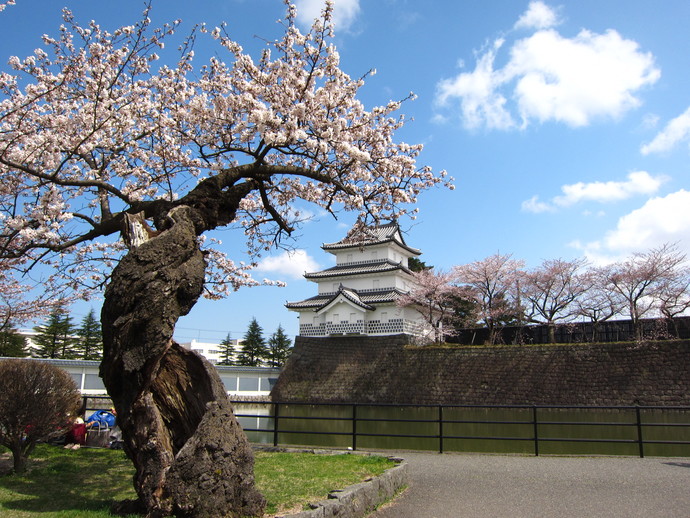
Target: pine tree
279 348
227 351
56 338
12 344
253 346
416 265
90 344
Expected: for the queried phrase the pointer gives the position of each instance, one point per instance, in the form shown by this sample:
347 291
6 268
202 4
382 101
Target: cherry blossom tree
552 290
598 304
113 170
3 5
493 284
639 281
674 296
433 296
20 302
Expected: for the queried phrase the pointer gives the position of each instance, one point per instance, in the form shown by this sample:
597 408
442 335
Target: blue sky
566 125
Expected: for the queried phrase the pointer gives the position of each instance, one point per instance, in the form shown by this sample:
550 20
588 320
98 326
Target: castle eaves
357 269
372 236
368 297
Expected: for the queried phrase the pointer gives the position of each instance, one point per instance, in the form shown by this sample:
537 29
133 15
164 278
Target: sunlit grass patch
82 483
291 480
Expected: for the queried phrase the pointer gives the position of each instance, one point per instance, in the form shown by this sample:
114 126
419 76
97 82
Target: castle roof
363 298
360 268
350 295
369 236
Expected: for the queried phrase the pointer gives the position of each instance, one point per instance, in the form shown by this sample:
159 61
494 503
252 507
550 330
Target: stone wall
387 370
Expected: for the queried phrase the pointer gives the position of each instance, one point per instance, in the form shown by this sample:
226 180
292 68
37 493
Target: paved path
479 486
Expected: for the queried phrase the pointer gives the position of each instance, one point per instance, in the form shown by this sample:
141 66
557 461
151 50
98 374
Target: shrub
38 402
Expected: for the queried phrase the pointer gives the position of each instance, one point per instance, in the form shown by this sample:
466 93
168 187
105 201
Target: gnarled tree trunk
190 454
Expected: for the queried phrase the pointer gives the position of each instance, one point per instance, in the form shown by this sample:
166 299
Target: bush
38 402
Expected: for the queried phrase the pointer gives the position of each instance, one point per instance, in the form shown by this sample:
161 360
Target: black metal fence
478 428
527 429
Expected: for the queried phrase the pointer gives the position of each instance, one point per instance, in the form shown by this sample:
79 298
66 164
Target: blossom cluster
93 125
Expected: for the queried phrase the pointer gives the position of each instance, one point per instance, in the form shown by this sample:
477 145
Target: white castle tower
358 295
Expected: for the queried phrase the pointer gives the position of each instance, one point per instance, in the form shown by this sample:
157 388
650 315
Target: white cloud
575 80
292 264
536 206
549 77
344 12
650 121
637 183
676 131
538 16
661 220
479 100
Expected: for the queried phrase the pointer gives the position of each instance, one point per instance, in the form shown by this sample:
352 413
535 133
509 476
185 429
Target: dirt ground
5 463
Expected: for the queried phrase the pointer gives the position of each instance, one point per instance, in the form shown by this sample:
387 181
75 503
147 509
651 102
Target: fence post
535 429
440 428
275 424
354 427
640 440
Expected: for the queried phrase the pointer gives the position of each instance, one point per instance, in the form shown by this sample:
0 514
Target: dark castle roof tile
370 236
354 269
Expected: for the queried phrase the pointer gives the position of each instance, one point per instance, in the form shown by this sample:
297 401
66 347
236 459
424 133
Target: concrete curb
360 499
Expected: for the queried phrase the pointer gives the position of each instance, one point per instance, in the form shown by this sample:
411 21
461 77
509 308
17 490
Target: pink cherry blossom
93 125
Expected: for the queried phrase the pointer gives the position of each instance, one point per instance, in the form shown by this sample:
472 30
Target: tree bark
190 454
19 459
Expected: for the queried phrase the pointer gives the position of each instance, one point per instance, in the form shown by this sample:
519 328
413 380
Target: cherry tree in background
638 282
597 303
112 171
433 295
493 284
674 296
551 291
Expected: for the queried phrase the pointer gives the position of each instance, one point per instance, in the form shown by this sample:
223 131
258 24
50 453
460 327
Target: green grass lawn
79 484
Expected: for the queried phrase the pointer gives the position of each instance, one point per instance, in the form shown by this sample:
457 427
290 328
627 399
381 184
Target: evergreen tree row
12 344
60 338
257 351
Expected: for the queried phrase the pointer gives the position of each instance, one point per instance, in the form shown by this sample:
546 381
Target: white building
213 352
239 381
358 295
